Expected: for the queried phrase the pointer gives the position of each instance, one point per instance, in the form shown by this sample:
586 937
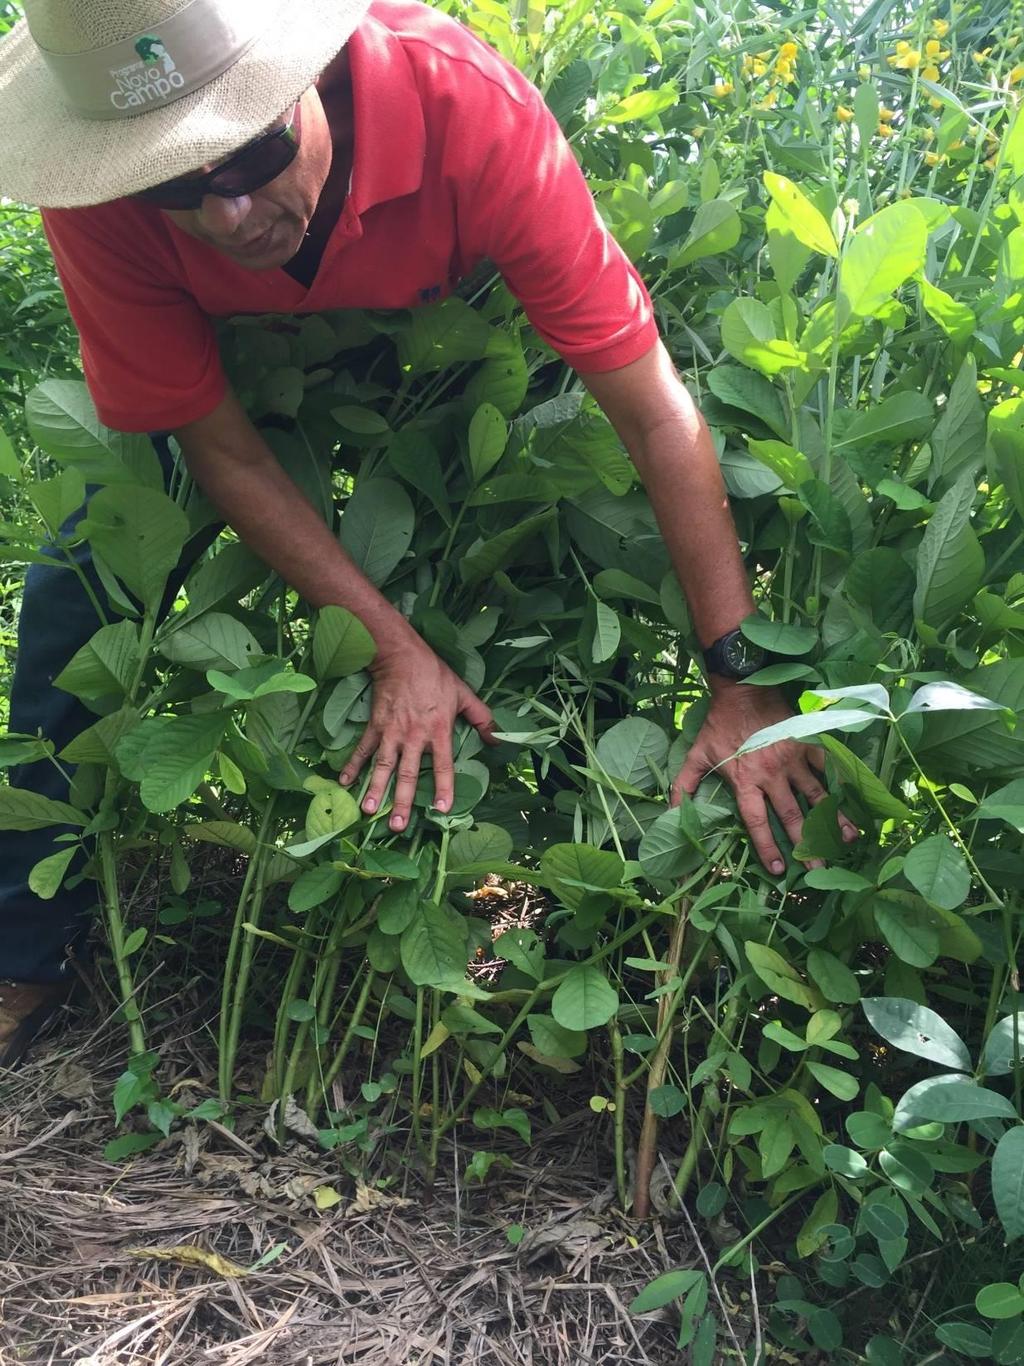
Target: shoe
25 1007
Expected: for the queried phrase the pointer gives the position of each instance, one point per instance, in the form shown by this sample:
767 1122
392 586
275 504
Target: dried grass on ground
380 1278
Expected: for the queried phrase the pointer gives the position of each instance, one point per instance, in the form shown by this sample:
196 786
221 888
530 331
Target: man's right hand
416 699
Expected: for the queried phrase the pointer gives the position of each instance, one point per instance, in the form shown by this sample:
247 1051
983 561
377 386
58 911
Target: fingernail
849 834
441 806
397 823
369 804
778 866
344 779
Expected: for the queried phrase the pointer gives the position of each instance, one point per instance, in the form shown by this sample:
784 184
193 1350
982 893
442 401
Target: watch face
742 656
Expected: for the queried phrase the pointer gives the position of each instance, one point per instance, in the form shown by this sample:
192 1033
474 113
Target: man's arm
416 697
671 448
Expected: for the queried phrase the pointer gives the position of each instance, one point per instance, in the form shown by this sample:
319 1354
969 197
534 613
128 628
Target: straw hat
101 98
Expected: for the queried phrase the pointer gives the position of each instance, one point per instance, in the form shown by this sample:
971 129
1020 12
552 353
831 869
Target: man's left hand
773 775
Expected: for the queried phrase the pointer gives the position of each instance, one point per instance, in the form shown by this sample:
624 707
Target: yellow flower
722 88
940 27
1016 75
769 100
932 159
885 115
784 72
864 71
935 102
927 134
931 73
982 56
935 51
759 67
906 60
884 131
991 163
843 114
788 52
955 146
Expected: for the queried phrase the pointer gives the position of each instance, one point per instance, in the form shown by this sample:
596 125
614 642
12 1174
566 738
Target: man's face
263 230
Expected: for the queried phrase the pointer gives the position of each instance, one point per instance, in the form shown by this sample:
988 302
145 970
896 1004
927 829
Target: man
310 155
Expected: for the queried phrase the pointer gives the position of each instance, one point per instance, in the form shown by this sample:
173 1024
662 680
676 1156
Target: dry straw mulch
381 1277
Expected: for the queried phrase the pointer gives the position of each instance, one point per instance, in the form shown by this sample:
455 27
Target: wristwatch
734 656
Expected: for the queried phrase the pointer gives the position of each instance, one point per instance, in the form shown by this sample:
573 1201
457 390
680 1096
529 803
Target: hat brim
52 157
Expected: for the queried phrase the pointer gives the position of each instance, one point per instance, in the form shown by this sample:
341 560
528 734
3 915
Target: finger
405 784
751 804
478 714
444 770
788 811
806 782
382 771
816 756
689 776
368 742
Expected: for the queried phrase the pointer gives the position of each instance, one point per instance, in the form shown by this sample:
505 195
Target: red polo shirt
456 158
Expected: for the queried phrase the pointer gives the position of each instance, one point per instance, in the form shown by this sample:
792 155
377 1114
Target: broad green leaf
10 466
908 926
634 750
947 696
525 951
97 744
833 1079
607 633
950 562
956 319
781 638
57 498
748 334
487 438
814 1231
642 104
865 112
433 948
1000 1300
212 641
781 978
488 554
330 812
958 441
903 417
949 1099
440 334
664 1289
1006 804
880 255
936 869
105 664
969 1339
787 464
1006 436
1008 1182
24 810
788 255
553 1039
715 228
362 421
832 977
341 644
585 999
140 533
573 870
809 727
376 527
752 394
668 845
62 420
480 844
313 887
46 876
916 1029
806 223
868 786
1004 1047
177 757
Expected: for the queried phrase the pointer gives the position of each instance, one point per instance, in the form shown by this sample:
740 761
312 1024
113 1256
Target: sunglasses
250 168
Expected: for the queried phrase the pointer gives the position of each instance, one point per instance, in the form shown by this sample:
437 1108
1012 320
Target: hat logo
151 80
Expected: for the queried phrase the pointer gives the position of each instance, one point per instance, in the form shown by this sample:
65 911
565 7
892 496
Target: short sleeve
149 352
531 211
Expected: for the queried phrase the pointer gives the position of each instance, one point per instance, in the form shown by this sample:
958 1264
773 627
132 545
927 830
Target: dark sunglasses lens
254 167
250 169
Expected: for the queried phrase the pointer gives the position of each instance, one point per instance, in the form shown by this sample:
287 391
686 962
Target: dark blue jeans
57 618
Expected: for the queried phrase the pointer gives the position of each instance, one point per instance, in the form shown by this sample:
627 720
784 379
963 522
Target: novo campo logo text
152 78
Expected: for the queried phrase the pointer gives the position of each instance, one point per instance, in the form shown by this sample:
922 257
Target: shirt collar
389 132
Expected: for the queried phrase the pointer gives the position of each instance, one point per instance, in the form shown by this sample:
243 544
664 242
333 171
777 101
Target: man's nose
222 217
